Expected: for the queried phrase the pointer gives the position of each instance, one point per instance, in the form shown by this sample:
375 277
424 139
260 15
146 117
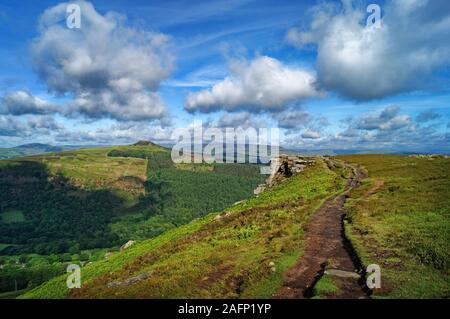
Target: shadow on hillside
59 217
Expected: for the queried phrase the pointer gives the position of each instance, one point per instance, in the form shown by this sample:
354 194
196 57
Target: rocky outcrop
128 244
286 166
283 167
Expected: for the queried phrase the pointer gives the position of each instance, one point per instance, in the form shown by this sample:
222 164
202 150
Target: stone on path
342 273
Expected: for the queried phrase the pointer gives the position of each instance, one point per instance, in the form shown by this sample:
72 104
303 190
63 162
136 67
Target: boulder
258 190
128 244
222 216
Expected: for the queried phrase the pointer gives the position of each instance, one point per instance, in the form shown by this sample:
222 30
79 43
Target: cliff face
283 167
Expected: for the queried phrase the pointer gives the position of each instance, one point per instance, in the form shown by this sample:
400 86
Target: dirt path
325 243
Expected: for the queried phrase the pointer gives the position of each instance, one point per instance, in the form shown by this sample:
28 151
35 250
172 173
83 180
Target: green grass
12 216
265 288
324 287
400 219
94 169
56 288
87 199
226 256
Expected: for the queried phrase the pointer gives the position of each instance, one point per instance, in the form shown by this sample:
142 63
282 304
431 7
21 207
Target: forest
45 217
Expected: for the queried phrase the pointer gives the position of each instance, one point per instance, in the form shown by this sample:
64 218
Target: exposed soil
325 245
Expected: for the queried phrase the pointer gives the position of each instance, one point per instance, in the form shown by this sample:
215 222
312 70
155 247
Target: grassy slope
93 169
400 220
189 191
89 169
214 257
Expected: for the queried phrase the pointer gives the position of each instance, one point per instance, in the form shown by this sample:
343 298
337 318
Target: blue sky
139 69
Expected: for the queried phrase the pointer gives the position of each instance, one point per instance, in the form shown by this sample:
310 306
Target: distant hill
144 143
36 149
39 148
335 152
27 149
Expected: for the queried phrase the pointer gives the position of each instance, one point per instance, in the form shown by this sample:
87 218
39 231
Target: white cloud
10 126
262 84
388 120
120 133
291 118
241 119
311 134
27 126
111 70
22 102
366 63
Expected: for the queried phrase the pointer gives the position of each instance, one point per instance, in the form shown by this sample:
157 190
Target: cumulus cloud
387 129
109 69
119 133
349 133
291 119
261 84
241 119
387 120
365 62
408 139
43 124
20 126
9 126
311 134
23 102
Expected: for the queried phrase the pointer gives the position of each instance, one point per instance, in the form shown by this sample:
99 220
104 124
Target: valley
200 232
77 206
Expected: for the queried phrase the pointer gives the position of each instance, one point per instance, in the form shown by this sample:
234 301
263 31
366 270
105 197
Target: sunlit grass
241 254
404 225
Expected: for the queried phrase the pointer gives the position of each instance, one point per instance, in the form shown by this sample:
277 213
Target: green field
94 169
